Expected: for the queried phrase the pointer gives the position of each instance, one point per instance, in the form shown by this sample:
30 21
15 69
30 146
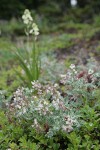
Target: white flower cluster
73 68
52 90
31 26
69 122
42 107
20 103
27 19
34 30
48 89
66 77
63 78
37 87
90 71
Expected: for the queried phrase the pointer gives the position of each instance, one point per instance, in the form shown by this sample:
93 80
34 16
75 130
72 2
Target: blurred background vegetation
14 8
71 28
46 13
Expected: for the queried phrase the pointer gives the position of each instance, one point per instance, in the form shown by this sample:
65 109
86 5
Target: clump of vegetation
60 115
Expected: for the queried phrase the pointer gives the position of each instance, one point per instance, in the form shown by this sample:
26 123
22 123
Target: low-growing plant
63 115
44 106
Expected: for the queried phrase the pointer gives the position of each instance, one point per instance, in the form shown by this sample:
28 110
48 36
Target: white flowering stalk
27 19
30 64
31 27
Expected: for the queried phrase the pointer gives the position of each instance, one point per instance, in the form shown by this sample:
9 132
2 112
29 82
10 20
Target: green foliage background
14 8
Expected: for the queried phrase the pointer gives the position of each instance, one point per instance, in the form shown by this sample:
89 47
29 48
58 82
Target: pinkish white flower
72 66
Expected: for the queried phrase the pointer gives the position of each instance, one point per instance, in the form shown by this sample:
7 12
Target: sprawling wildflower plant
55 107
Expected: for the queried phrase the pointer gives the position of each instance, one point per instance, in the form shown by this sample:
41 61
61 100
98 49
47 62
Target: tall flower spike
31 27
27 17
35 29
